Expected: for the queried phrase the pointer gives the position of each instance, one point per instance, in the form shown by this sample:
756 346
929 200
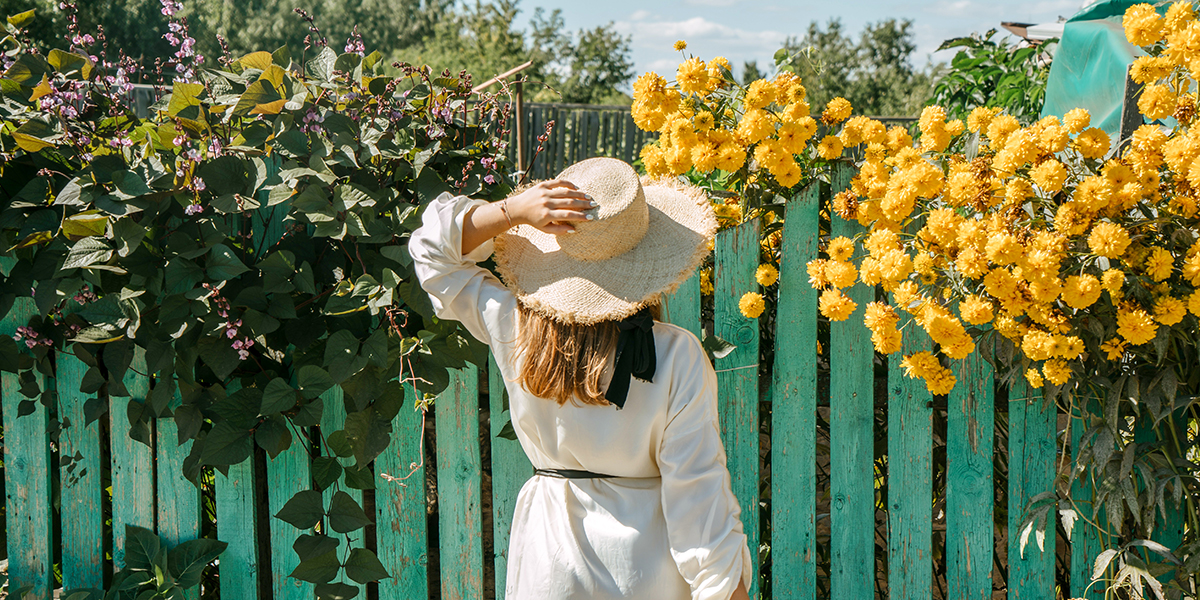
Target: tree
875 73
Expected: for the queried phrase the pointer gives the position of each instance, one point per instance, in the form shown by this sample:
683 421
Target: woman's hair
565 361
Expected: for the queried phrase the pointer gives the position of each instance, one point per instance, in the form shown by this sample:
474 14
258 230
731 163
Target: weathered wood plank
560 145
237 525
629 147
909 472
794 407
178 503
334 419
851 402
510 470
26 474
132 461
400 508
593 132
682 307
1031 453
80 482
287 474
737 372
459 468
1086 542
970 493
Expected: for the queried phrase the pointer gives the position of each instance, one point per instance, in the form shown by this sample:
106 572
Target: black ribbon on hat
635 355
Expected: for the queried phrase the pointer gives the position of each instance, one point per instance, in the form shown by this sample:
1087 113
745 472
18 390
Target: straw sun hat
644 240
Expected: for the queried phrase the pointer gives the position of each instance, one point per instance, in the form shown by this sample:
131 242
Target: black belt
570 474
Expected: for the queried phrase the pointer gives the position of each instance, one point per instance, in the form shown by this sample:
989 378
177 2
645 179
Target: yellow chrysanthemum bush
750 145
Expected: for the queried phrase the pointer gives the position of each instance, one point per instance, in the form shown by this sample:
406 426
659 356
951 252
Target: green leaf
278 396
364 567
311 546
304 510
85 224
187 560
273 435
129 185
142 547
313 381
338 444
345 515
335 591
367 434
325 471
185 100
21 19
86 252
321 66
260 97
507 432
223 264
319 569
226 445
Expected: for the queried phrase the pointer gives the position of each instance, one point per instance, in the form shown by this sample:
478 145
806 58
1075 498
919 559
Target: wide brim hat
646 237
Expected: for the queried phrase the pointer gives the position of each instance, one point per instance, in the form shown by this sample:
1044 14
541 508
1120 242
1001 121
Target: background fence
854 481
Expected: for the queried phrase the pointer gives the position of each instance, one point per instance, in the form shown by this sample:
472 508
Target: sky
754 29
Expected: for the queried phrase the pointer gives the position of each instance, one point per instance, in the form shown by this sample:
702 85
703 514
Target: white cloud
720 3
640 15
652 40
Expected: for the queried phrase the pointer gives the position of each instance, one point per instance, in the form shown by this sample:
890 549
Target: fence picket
237 525
79 480
909 472
510 470
334 419
1031 452
851 400
132 461
26 474
178 505
737 372
629 152
794 407
459 467
287 475
682 307
970 491
1086 542
402 538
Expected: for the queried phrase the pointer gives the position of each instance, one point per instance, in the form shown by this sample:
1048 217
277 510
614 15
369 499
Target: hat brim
559 286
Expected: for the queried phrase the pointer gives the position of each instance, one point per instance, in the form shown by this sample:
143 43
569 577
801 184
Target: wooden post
1131 119
519 116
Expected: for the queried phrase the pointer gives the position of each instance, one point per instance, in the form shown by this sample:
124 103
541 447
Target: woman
617 412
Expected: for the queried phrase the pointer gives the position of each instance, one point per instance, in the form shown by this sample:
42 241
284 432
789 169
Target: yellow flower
1038 345
816 273
1092 143
1146 69
1160 264
1081 291
704 121
1179 15
789 174
761 93
830 147
837 110
1113 280
1143 26
752 305
1135 325
999 128
880 316
692 76
887 341
840 248
1034 377
975 310
924 365
1108 240
654 161
1077 119
706 283
755 125
1169 311
1194 303
836 306
840 274
1157 102
1114 348
1050 175
1057 371
979 118
766 275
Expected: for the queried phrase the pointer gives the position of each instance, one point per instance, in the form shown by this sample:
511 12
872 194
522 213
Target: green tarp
1090 64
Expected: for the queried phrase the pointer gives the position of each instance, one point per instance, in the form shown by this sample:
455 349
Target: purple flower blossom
193 209
490 179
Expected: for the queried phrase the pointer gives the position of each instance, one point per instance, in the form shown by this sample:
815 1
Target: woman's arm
549 206
740 593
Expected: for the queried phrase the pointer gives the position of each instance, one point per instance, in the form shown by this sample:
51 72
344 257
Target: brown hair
565 361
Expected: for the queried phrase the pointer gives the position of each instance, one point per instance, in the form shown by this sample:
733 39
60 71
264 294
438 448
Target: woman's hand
550 206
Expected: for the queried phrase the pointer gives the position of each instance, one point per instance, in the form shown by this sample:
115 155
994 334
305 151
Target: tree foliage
992 72
875 73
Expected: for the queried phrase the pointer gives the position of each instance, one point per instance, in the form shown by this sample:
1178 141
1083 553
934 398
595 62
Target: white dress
668 527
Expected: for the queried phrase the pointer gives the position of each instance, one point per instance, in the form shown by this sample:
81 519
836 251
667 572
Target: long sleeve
702 514
459 289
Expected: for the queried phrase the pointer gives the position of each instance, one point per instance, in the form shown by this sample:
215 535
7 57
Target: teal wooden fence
830 509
